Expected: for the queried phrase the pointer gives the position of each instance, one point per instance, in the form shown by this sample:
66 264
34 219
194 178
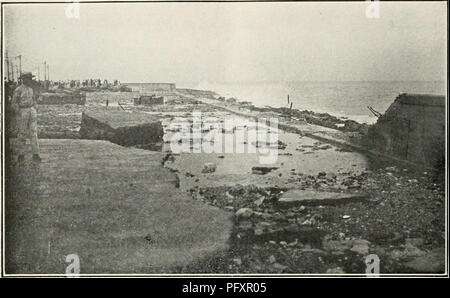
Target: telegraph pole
20 64
39 73
48 71
12 70
45 71
7 66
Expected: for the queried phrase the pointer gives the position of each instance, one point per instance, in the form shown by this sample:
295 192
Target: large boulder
123 128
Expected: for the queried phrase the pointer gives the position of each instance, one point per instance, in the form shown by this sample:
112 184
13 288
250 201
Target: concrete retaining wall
61 98
413 128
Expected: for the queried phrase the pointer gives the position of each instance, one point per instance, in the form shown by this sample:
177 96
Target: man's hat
27 75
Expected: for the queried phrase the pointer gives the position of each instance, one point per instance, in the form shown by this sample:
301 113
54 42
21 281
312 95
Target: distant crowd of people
96 83
48 85
88 83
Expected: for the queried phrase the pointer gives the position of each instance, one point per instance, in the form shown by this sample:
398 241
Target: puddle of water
233 168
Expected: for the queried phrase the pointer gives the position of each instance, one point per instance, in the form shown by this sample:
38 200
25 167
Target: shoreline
318 118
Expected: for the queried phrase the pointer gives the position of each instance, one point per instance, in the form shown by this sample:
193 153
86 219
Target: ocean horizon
345 99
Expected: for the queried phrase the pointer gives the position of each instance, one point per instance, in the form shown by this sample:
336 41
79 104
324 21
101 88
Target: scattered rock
311 197
259 232
237 261
263 144
307 222
262 170
272 259
337 270
412 251
321 174
228 195
414 241
264 224
432 262
360 246
244 213
409 252
259 201
278 267
391 169
385 237
209 167
337 245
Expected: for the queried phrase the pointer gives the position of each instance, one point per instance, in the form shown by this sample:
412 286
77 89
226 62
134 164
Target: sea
348 100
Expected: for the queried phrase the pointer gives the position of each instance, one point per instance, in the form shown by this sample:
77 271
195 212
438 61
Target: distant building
158 87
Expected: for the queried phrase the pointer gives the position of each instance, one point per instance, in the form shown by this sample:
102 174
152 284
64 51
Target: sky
231 42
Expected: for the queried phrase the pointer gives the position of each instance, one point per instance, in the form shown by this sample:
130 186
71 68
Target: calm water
343 99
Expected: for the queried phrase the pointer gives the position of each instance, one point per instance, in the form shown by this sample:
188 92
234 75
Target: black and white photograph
224 139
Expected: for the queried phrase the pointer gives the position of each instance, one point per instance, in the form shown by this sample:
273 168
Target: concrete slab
117 208
121 127
311 197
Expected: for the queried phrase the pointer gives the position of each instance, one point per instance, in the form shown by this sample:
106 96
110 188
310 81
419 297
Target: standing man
9 114
24 103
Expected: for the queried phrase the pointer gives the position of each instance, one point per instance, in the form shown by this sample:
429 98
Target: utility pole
7 66
45 71
48 71
20 64
12 69
39 73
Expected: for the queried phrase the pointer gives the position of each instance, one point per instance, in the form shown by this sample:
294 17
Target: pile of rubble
334 235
